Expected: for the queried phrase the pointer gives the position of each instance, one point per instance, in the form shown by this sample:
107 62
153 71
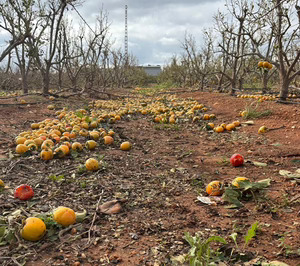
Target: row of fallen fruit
233 192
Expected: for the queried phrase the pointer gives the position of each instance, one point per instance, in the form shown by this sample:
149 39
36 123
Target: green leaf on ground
251 233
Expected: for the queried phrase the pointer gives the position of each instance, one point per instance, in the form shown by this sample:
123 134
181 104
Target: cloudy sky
155 28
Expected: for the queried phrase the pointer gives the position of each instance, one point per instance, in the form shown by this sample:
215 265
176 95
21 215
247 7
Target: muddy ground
158 182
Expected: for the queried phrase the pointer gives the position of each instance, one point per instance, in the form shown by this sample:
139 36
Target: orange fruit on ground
29 141
21 148
206 117
94 124
91 144
92 164
157 119
219 129
64 216
77 146
48 143
236 123
1 183
38 141
172 119
20 140
35 125
214 188
125 146
46 154
65 149
230 127
34 229
108 140
235 182
111 133
95 135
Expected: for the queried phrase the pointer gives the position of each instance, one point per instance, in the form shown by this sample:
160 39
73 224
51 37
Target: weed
167 127
253 112
201 254
55 178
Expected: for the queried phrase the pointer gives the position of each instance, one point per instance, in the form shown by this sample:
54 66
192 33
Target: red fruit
24 192
236 159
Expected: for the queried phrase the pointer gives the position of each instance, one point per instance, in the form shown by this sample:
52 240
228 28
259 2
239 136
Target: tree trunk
46 81
24 81
284 87
265 81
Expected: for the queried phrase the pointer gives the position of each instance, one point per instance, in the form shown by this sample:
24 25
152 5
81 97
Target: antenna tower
126 34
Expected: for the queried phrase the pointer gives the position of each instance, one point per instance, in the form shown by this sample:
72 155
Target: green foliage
55 178
201 253
234 194
250 234
253 112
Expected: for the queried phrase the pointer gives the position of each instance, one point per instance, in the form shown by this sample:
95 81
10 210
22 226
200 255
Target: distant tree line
254 41
47 51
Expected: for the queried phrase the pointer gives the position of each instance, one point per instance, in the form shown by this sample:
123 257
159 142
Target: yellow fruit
230 127
20 140
262 129
21 148
46 154
1 183
125 146
91 144
219 129
64 216
76 146
92 164
108 140
34 229
214 188
236 181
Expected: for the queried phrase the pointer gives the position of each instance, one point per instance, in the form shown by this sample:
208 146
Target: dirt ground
158 182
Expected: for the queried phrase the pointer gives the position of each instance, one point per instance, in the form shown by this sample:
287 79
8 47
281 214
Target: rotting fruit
34 229
92 164
214 188
24 192
64 216
235 182
125 146
237 160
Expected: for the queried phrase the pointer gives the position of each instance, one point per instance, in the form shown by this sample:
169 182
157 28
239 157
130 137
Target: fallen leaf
110 207
259 164
250 122
288 174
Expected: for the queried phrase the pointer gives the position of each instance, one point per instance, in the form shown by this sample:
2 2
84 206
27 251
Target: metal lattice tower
126 34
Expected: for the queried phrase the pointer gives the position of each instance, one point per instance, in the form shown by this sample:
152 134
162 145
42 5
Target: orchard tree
274 30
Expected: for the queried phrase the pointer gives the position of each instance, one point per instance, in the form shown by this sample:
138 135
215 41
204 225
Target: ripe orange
34 229
125 146
76 146
219 129
108 140
214 188
46 154
92 164
91 144
64 216
230 127
21 148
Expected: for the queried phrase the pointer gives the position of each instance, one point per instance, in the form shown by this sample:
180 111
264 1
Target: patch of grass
172 127
253 112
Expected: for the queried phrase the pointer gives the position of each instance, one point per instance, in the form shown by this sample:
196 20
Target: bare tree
43 45
274 30
233 42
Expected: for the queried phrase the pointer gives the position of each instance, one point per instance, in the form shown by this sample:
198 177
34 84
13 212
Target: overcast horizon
155 29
